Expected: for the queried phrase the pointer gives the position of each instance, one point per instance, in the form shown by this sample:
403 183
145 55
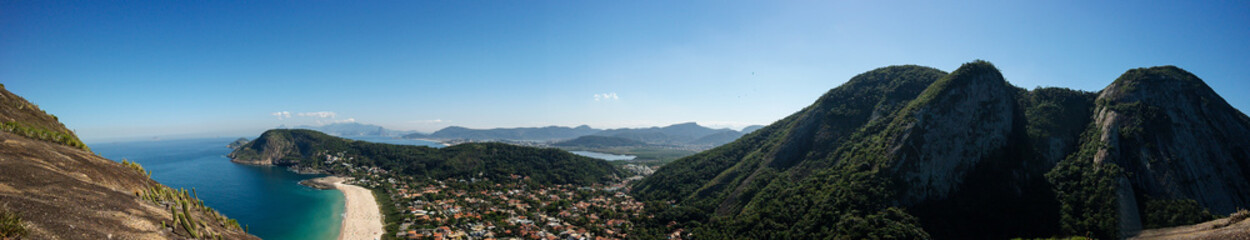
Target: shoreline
362 217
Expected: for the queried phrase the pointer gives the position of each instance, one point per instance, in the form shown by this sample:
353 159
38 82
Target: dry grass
1234 218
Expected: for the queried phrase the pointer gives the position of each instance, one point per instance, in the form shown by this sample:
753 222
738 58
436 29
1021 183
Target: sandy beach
362 218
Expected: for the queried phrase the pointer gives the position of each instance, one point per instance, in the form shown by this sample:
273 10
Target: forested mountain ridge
309 149
913 152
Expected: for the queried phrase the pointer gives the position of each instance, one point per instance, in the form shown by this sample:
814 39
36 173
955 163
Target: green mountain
913 152
53 187
307 149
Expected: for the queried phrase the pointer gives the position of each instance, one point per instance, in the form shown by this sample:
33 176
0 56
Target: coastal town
510 208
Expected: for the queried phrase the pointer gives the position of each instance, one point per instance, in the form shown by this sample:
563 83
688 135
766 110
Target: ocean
269 200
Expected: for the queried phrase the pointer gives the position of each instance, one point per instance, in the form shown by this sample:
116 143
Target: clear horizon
135 70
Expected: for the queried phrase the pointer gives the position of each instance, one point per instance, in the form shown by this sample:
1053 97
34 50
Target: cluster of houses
511 208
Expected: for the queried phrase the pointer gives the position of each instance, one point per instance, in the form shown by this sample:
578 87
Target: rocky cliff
1174 138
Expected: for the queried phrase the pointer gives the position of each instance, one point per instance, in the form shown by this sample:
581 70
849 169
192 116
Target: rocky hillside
60 190
20 117
316 151
1160 137
913 152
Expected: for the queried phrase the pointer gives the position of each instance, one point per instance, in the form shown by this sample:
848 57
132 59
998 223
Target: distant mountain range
677 134
355 129
594 141
549 133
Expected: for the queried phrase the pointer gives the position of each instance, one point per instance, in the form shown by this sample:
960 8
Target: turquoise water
267 199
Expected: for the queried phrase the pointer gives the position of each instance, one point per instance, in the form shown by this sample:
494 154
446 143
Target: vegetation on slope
783 181
21 117
1086 192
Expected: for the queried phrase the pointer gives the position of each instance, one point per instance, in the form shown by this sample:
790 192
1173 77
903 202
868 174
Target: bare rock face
1175 139
967 119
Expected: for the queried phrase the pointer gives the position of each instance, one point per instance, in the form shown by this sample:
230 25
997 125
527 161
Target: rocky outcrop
960 121
1175 138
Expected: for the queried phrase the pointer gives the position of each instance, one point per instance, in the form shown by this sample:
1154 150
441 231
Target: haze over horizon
114 70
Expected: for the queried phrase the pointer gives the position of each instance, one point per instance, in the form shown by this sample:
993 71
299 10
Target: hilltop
914 152
61 190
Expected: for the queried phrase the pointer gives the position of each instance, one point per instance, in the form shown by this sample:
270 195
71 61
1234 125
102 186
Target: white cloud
607 96
281 115
322 114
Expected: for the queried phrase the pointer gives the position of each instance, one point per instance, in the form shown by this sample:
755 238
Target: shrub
11 225
38 133
1174 212
1234 218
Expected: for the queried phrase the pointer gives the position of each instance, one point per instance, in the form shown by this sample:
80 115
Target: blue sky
130 69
